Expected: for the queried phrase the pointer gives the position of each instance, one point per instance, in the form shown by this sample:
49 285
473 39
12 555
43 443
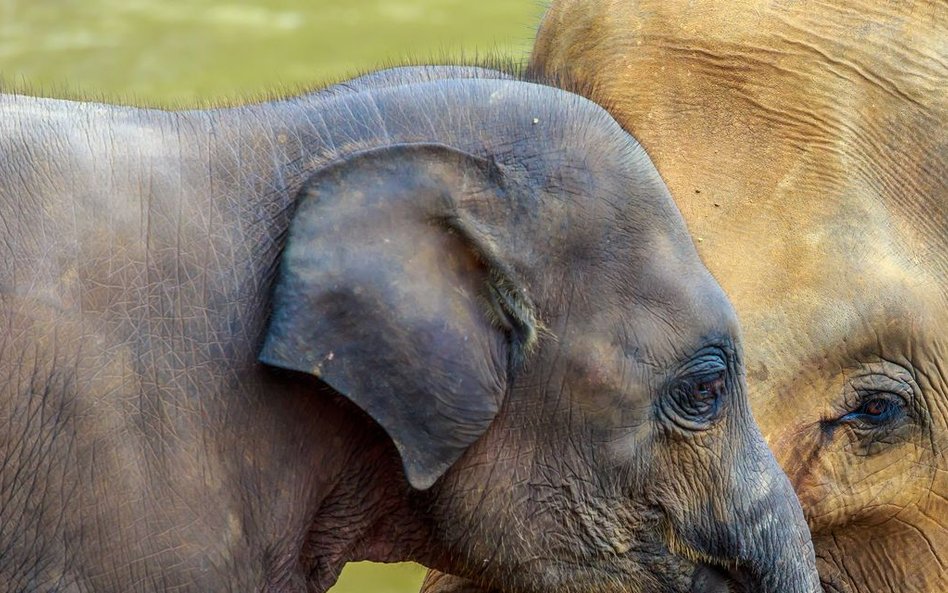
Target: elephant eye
876 407
880 408
709 387
705 391
874 411
696 395
697 399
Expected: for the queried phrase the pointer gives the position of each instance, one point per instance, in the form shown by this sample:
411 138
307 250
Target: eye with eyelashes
706 390
702 392
879 401
874 409
699 391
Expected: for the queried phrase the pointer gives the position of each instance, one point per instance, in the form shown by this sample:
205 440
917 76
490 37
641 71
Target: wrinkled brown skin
144 448
806 145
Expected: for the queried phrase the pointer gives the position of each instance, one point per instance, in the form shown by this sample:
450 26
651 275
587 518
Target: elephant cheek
832 578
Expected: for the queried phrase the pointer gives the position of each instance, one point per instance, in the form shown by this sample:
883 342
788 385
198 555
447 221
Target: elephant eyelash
862 413
697 393
866 388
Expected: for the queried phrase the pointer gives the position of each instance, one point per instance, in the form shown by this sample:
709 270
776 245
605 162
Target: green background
178 53
196 52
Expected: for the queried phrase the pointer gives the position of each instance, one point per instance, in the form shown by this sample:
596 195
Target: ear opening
392 293
508 305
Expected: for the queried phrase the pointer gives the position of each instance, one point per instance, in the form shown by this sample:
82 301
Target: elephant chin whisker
677 546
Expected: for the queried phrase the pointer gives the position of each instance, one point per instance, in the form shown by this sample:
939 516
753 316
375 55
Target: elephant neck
368 513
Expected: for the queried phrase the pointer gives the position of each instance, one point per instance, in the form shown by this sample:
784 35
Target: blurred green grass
187 53
368 577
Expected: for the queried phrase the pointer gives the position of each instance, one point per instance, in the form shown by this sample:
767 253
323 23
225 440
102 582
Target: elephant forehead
858 41
885 308
798 104
657 303
814 266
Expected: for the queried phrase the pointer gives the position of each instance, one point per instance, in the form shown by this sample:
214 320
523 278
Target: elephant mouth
714 579
713 576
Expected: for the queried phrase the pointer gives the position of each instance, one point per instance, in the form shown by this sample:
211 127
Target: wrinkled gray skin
491 269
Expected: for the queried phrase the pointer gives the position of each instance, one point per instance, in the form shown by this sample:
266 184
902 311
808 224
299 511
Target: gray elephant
457 321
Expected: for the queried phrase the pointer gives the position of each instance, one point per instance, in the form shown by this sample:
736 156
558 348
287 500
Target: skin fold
806 145
430 314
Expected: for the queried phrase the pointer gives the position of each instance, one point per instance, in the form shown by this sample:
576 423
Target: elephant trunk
758 538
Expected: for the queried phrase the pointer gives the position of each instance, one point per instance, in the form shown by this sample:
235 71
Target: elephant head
807 148
454 321
561 377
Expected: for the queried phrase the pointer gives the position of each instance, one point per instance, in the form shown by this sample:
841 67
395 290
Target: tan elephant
806 145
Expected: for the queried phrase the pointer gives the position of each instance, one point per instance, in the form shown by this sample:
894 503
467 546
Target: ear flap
391 293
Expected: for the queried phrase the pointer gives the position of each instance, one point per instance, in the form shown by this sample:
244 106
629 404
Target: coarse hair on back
485 66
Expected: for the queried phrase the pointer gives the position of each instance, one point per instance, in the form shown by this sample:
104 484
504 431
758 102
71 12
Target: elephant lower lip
711 579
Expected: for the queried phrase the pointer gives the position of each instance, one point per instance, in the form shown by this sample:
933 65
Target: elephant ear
392 292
